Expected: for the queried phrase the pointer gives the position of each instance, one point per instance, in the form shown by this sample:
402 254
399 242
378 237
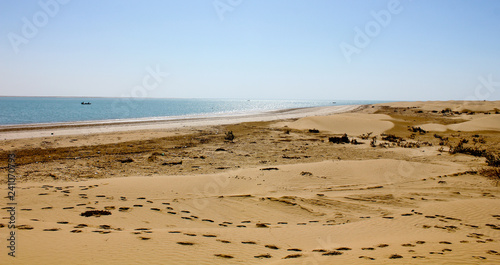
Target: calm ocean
26 110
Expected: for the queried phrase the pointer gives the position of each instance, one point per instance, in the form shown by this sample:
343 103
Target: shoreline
22 131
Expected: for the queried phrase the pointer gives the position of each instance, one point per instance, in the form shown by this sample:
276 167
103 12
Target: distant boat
334 102
86 103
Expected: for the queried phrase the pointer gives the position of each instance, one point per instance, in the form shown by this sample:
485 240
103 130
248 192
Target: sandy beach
288 189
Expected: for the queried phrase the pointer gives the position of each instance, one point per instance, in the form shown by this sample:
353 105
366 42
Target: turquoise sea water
28 110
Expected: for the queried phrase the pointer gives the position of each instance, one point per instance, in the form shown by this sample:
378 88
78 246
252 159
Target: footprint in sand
343 249
62 222
263 256
47 208
80 226
248 242
76 231
368 248
144 238
395 256
174 232
224 256
24 227
382 245
332 253
445 242
188 234
272 247
155 209
224 241
492 252
207 220
241 226
366 257
294 249
209 235
67 208
185 243
137 205
52 229
293 256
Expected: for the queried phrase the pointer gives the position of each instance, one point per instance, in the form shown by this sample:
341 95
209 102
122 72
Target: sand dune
478 123
350 123
477 106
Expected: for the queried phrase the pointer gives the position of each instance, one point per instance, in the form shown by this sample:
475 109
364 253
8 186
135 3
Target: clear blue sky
259 49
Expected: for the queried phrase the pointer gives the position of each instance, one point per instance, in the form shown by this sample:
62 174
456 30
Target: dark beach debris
126 160
96 213
339 140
